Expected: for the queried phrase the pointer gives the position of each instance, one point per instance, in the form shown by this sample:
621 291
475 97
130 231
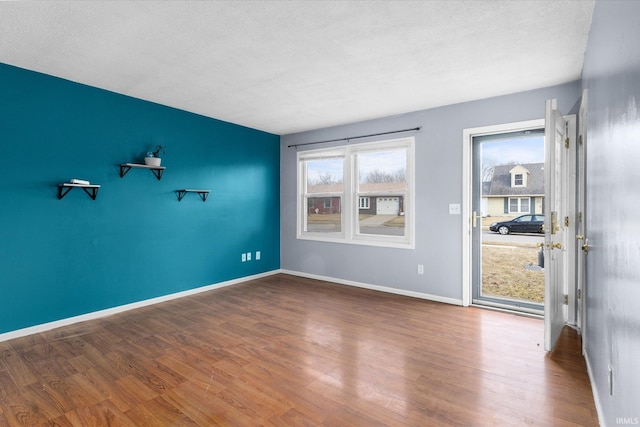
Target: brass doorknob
556 245
585 247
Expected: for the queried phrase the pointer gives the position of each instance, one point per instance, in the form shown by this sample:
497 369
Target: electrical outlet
248 256
454 209
258 255
244 257
420 269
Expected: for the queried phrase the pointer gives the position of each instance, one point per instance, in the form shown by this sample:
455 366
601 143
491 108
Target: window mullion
302 197
348 189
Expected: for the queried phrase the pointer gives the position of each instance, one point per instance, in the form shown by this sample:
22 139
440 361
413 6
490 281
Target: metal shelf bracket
91 190
202 193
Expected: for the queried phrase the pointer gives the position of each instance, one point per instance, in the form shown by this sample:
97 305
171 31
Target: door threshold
505 308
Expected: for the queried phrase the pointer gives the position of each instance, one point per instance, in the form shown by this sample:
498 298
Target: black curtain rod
356 137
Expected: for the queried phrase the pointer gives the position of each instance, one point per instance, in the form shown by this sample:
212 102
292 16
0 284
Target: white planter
152 161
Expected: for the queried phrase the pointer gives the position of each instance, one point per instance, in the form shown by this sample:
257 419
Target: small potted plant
152 158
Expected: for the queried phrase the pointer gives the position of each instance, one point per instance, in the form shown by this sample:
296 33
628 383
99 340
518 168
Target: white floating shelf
156 170
90 189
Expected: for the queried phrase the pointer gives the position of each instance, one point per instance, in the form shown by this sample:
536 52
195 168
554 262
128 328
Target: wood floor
287 351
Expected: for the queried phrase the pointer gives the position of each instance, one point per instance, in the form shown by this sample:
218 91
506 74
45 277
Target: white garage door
387 205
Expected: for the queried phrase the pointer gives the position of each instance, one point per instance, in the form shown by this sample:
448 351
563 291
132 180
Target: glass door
508 218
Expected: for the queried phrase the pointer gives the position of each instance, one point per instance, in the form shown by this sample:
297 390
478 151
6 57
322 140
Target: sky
506 151
388 161
498 152
315 168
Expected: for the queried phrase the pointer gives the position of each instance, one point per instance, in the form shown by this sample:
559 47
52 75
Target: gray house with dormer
514 190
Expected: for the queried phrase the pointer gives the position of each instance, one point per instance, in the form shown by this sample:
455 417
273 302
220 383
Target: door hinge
566 142
566 221
579 293
566 299
580 217
580 139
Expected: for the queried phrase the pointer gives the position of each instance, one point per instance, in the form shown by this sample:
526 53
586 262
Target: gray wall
438 183
612 76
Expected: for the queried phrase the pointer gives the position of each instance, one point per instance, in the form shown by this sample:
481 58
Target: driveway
375 225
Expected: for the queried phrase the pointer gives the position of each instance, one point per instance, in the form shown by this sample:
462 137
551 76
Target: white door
555 231
387 205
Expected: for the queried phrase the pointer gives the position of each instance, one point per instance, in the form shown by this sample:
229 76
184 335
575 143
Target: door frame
572 229
575 304
581 220
467 194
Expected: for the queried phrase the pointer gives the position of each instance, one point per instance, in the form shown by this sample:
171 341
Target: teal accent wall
63 258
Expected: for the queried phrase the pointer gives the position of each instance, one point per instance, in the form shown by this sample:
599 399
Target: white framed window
519 205
519 176
321 177
360 193
518 180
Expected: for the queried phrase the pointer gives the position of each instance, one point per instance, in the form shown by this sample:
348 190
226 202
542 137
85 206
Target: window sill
361 241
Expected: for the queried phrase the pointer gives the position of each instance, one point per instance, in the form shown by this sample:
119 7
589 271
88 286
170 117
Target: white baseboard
413 294
596 397
122 308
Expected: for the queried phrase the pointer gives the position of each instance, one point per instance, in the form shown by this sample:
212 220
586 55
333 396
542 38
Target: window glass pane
513 205
324 179
324 214
382 175
324 175
524 205
382 170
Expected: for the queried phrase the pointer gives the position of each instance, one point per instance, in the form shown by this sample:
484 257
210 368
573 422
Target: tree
325 178
487 173
378 176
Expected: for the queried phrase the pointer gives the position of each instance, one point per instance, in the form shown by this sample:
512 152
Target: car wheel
503 229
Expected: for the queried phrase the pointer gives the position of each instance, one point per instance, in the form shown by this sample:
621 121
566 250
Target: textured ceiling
290 66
